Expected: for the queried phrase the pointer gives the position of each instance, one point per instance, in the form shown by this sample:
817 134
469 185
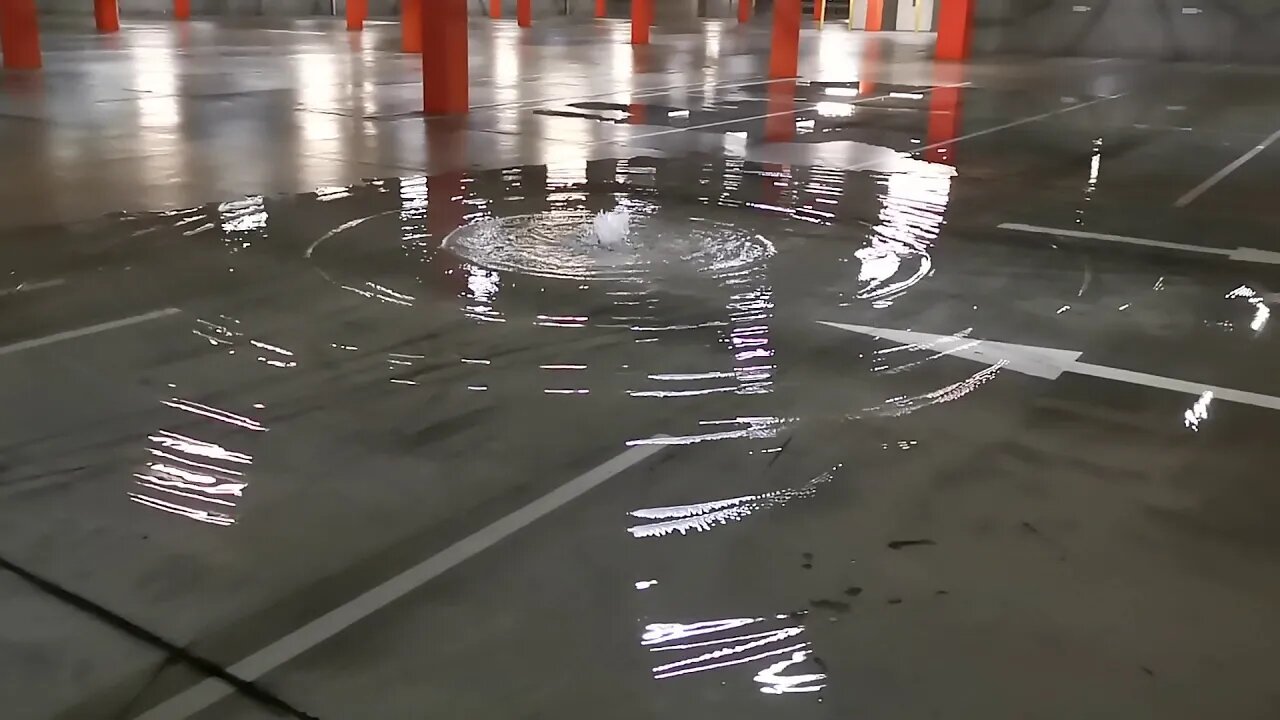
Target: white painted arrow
1242 254
1050 363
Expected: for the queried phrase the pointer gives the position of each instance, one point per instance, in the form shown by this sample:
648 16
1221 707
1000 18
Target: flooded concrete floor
344 407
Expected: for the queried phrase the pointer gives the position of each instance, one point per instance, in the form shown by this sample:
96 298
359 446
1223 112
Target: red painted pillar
820 11
955 26
602 8
106 14
641 19
784 54
357 11
495 9
411 26
875 15
744 10
524 13
19 34
443 35
181 9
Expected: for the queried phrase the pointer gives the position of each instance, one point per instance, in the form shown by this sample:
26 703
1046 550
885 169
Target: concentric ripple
555 243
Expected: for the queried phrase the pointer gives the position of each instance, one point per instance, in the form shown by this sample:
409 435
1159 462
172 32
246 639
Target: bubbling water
610 229
634 241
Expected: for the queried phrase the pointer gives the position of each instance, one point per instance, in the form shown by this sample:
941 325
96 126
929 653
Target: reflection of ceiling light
842 91
678 113
834 109
907 96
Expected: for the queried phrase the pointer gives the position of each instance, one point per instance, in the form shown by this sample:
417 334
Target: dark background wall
1236 31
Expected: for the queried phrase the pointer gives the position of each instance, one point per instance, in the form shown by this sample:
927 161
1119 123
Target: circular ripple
554 243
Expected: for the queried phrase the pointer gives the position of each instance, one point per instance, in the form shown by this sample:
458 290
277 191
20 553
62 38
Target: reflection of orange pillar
780 119
869 69
602 8
875 14
641 19
636 114
524 12
444 57
744 10
20 34
106 14
357 11
944 124
446 194
955 24
495 9
775 188
784 55
445 207
411 26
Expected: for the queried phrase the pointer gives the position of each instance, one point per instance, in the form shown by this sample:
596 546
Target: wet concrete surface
319 344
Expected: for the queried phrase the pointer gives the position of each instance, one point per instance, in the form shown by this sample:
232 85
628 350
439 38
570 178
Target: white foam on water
611 229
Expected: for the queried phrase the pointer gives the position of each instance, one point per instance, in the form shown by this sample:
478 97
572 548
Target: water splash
610 230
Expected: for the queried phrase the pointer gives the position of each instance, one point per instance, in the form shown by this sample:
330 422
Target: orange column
875 14
19 34
641 19
181 9
820 11
495 9
744 10
602 8
955 25
411 26
106 14
443 35
357 11
524 13
784 54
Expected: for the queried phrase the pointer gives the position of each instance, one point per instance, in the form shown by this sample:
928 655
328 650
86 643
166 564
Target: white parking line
635 93
798 107
91 330
33 286
1204 187
1016 123
628 93
1242 254
209 691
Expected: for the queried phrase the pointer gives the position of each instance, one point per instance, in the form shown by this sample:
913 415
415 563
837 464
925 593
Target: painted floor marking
1050 363
1218 177
85 331
209 691
1243 254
